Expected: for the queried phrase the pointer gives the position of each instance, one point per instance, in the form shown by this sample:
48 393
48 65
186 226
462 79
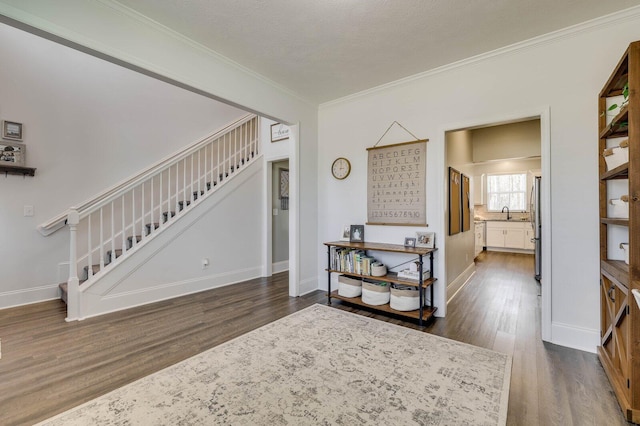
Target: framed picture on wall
284 183
11 130
12 154
279 132
455 202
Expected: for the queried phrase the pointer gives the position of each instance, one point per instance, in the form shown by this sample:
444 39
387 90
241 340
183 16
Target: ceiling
326 49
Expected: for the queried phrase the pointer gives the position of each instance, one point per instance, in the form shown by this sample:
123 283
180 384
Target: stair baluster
217 158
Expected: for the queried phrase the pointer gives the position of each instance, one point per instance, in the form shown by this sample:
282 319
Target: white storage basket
404 298
617 155
349 287
625 247
378 269
375 293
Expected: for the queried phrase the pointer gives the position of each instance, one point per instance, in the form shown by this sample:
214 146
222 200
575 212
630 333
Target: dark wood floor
49 366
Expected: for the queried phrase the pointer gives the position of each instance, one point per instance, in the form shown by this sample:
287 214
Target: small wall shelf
16 170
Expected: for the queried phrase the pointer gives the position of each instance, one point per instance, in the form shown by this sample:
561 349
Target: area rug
321 366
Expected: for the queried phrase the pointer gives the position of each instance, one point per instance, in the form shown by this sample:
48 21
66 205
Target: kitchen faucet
508 215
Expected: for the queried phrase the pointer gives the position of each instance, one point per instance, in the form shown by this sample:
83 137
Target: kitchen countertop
501 220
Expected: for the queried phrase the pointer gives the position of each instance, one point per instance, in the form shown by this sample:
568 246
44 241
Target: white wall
87 125
110 29
565 73
460 247
224 227
512 140
273 150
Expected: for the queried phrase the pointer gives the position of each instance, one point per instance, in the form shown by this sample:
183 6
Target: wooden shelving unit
619 349
423 314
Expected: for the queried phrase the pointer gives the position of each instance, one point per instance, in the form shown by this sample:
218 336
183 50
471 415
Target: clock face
341 168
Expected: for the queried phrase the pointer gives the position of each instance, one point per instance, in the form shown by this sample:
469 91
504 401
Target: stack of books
350 260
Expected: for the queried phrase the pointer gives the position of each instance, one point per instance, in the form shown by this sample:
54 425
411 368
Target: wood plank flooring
49 366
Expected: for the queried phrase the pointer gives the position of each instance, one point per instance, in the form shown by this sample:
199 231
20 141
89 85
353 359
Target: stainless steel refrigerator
536 223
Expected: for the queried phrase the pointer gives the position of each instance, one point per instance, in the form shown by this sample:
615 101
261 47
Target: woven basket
349 287
375 293
404 298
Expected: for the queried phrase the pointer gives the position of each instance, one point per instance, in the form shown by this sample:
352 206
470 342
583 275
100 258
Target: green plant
625 95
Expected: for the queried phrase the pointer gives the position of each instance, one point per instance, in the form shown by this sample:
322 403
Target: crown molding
568 32
42 27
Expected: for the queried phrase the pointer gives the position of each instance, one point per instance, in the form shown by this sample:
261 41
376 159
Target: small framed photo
356 234
12 154
346 233
426 239
409 242
279 132
11 130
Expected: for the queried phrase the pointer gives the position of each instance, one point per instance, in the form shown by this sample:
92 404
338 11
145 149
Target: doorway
499 154
280 216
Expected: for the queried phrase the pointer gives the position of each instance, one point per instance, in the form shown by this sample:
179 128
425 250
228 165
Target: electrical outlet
28 211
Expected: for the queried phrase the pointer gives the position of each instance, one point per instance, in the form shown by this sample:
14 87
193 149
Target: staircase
112 226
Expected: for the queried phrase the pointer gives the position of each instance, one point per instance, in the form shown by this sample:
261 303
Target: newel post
73 284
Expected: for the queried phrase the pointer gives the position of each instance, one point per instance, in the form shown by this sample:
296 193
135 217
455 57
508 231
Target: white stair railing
112 226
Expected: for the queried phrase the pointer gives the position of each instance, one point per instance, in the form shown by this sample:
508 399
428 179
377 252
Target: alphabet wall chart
396 184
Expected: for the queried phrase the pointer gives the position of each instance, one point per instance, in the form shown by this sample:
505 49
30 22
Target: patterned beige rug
318 366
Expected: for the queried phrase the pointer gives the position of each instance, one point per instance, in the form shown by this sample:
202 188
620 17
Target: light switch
28 211
275 212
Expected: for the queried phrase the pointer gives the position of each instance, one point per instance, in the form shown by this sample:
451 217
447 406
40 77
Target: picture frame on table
409 242
426 239
345 234
356 234
11 130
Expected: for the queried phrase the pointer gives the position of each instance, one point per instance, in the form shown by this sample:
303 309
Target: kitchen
504 164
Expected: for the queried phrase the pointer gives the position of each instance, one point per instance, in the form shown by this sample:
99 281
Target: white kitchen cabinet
495 236
529 235
479 238
510 235
478 189
514 238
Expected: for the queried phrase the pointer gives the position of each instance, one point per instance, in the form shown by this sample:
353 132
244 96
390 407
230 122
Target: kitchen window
507 190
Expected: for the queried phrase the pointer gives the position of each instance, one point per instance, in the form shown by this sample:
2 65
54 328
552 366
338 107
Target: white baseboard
308 285
12 299
510 250
280 267
460 281
584 339
95 305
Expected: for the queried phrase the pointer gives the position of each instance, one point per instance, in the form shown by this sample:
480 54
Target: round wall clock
341 168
